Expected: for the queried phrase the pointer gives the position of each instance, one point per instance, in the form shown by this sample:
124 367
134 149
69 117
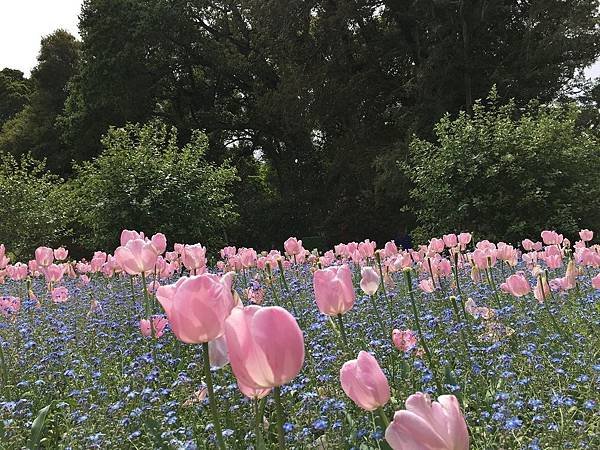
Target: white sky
24 22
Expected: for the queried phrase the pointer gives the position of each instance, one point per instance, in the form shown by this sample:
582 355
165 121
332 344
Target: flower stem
3 368
212 401
387 299
384 419
278 406
420 331
342 331
258 423
378 316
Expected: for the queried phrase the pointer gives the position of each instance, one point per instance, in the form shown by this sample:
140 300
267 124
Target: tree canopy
313 102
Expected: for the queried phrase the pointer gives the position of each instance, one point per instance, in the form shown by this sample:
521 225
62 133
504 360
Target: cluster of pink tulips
265 345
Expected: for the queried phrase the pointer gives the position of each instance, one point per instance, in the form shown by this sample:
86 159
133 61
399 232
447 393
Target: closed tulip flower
586 235
159 241
197 306
194 257
217 353
334 291
427 425
61 253
60 294
136 257
18 271
450 240
404 340
464 238
364 382
53 273
44 256
130 235
551 237
265 344
369 282
516 285
154 328
293 246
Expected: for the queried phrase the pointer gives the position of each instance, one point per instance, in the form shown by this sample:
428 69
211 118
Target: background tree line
308 107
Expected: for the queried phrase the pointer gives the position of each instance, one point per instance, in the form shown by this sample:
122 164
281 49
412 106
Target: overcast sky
24 22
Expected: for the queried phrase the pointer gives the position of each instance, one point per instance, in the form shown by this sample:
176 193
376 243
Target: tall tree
14 93
328 92
33 128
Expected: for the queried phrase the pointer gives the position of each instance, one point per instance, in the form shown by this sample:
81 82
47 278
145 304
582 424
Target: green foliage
143 180
328 92
14 93
32 129
31 207
507 174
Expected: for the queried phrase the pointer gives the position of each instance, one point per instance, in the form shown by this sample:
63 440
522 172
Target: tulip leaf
36 428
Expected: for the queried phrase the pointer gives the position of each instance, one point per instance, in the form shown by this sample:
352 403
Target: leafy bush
506 173
31 208
143 180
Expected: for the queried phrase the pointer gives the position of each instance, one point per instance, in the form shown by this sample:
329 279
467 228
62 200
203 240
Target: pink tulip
364 382
596 281
367 248
153 286
130 235
248 257
266 346
44 256
427 425
390 249
136 257
53 273
484 258
61 253
586 235
341 249
18 271
194 257
197 306
9 305
158 324
427 285
60 294
450 240
34 267
334 292
554 261
464 239
551 237
436 245
293 246
255 294
369 282
218 355
159 241
541 291
253 393
516 285
527 245
404 340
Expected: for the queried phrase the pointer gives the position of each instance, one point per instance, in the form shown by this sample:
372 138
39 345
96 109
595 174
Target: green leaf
36 428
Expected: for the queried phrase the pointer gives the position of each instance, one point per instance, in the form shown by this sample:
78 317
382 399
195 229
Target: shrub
506 173
143 180
32 212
